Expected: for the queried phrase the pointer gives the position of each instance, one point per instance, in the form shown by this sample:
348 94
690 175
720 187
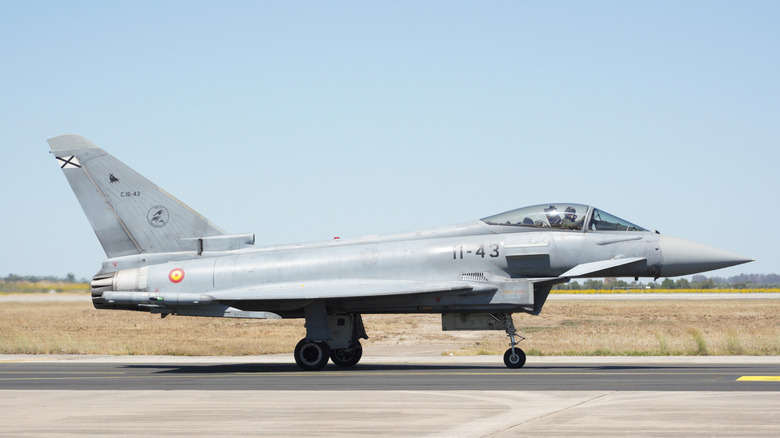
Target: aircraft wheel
514 359
346 357
311 355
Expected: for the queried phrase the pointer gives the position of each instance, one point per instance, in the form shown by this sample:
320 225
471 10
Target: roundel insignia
176 275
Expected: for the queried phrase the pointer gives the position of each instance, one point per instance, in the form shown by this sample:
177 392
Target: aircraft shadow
260 368
293 368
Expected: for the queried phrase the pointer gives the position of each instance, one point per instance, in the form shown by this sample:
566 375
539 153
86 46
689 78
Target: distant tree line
69 278
742 281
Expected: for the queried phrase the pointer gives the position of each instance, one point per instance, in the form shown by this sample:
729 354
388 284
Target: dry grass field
663 327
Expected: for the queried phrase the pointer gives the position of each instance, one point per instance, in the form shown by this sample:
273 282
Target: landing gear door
470 321
519 292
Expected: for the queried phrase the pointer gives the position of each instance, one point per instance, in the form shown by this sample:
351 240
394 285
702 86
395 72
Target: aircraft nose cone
683 257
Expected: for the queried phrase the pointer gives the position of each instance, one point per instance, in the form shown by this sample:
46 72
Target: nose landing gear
514 357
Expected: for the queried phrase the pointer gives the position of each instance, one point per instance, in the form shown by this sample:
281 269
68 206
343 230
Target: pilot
553 216
570 219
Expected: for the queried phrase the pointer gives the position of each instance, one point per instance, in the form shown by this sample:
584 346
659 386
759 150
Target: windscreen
603 221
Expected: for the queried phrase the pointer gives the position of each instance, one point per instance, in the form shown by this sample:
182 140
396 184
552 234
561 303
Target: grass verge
601 328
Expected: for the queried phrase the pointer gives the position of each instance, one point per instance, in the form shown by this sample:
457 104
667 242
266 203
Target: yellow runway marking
759 379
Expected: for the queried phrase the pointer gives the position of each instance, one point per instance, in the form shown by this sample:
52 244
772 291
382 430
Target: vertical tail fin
129 213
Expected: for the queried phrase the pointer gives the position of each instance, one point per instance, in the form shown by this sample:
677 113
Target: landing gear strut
514 357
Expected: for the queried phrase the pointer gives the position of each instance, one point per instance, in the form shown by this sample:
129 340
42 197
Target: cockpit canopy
562 216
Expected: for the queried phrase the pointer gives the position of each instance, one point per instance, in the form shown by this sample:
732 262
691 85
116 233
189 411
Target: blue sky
301 121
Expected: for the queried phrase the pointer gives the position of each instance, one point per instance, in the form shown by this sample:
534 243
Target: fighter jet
165 258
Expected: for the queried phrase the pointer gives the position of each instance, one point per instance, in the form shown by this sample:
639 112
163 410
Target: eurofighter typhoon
167 259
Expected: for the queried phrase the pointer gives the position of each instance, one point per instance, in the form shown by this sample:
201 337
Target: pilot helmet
571 213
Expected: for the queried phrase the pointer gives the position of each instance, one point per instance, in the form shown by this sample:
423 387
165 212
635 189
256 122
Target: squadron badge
157 216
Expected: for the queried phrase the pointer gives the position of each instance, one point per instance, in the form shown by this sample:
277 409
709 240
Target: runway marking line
127 376
759 379
33 360
122 375
60 372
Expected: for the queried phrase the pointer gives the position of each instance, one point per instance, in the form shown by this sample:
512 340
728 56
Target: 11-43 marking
457 251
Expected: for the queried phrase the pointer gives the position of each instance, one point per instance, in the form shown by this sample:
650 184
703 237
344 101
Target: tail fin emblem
157 216
69 162
112 179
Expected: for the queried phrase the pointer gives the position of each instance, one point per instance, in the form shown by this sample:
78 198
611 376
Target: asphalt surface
388 396
456 375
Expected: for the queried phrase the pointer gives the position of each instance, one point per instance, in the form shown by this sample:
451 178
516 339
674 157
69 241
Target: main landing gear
514 357
314 355
334 337
347 357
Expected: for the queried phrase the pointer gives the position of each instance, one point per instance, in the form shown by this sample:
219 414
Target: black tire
311 355
516 360
346 357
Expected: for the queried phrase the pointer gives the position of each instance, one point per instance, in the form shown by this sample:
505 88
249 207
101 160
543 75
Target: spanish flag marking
176 275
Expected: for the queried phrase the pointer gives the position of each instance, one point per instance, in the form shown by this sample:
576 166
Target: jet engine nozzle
124 280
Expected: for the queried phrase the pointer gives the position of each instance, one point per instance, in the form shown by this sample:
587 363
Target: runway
456 375
389 396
